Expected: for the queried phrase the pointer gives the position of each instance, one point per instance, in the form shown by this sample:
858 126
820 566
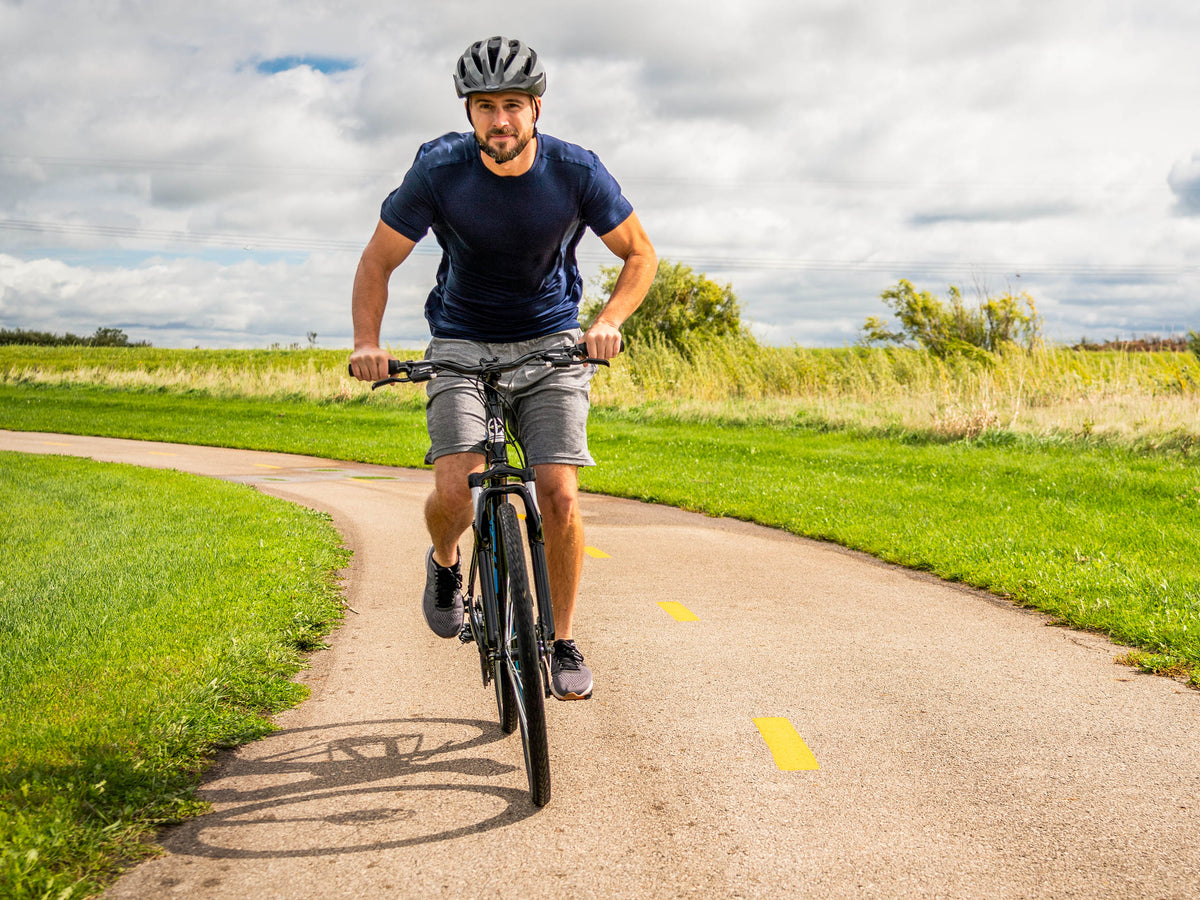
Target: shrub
681 307
103 337
943 329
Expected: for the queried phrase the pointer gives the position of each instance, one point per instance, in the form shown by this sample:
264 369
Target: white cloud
153 178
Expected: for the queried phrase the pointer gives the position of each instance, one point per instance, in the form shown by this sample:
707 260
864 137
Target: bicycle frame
496 484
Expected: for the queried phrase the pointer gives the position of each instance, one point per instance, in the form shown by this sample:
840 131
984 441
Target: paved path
965 749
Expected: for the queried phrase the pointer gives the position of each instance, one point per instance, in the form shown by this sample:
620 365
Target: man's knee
558 492
450 479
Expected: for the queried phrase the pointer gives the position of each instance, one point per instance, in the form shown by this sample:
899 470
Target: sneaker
570 679
443 600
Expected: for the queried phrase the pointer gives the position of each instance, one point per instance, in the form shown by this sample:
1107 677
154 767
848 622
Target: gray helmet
499 64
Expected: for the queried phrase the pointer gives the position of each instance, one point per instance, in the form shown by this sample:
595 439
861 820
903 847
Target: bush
681 307
103 337
925 321
1193 340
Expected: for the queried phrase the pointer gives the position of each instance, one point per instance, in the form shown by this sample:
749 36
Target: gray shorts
551 404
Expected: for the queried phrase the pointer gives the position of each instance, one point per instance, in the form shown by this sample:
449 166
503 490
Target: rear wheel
497 671
522 664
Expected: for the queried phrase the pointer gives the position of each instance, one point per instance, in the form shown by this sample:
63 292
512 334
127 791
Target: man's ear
537 109
467 107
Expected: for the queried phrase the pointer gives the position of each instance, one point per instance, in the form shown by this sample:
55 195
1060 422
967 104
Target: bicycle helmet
499 64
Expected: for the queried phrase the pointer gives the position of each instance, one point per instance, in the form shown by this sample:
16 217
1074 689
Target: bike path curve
959 746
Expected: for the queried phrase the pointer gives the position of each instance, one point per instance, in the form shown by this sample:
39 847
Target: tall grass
1145 401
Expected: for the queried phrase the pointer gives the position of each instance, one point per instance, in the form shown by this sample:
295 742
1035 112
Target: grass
1144 401
148 617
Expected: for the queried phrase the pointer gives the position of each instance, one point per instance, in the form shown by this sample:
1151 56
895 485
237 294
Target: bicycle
513 633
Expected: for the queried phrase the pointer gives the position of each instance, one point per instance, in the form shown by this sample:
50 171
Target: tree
942 329
680 307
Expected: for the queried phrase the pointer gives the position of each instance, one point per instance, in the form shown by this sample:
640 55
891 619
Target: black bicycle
514 634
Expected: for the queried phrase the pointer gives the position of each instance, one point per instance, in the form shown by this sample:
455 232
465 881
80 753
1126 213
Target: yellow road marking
790 752
56 443
678 611
596 554
266 466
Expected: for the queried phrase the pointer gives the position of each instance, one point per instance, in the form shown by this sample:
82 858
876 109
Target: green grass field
147 618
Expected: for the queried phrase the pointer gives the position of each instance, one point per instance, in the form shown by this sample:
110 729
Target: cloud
1184 181
221 164
1000 212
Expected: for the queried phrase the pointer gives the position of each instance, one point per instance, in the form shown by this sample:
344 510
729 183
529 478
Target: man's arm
630 242
384 252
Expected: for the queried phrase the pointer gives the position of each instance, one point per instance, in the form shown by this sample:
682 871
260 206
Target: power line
696 259
673 181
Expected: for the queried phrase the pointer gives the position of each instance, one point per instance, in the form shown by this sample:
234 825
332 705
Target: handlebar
414 371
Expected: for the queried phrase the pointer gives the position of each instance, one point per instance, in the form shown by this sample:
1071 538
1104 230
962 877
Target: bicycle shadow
354 787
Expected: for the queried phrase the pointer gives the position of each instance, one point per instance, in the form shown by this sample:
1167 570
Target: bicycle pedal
465 634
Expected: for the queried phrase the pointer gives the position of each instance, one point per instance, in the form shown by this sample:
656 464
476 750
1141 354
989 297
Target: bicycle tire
523 659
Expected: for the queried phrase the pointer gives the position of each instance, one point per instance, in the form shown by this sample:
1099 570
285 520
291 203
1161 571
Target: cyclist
508 206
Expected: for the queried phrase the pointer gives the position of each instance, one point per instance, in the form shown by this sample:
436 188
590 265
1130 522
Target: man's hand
603 341
370 363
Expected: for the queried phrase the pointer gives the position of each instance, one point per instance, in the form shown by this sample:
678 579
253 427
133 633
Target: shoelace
448 581
567 655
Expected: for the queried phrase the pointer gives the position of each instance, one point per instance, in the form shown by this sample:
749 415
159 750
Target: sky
207 174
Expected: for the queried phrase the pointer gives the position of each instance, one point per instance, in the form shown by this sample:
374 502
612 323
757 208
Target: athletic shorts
551 404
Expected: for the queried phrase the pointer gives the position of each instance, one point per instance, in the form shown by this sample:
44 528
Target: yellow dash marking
790 752
266 466
678 611
160 453
56 443
596 554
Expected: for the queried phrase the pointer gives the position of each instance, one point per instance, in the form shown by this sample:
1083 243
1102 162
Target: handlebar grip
581 347
395 367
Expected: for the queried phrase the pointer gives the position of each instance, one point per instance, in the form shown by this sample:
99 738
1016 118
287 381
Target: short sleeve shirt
508 270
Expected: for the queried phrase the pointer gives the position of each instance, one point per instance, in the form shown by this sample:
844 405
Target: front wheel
521 659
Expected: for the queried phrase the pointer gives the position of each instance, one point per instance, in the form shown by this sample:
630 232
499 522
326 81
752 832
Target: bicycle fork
526 490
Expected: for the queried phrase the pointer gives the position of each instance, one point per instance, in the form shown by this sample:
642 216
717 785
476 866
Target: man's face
503 123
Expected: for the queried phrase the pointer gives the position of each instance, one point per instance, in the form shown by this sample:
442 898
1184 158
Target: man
508 207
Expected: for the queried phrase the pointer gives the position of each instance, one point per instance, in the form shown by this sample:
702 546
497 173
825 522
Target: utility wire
696 259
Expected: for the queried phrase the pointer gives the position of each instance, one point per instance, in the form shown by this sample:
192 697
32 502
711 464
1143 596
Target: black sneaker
570 679
443 600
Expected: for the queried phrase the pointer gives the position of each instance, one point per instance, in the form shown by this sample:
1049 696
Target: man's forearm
633 281
368 302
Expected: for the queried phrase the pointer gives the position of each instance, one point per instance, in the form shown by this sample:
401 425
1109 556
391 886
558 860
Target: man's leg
448 509
558 500
447 515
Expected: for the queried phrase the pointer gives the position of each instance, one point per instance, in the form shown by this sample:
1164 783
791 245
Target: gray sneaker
443 600
570 679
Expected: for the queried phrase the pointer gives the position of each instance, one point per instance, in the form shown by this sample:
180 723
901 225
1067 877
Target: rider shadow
336 789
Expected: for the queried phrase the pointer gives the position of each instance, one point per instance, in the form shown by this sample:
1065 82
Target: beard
503 156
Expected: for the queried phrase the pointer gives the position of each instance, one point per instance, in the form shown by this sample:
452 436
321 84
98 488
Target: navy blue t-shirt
508 270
